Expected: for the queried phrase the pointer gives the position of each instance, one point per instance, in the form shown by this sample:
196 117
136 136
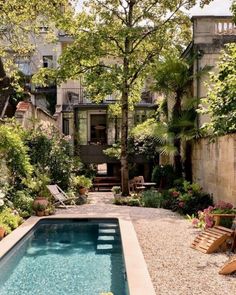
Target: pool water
66 257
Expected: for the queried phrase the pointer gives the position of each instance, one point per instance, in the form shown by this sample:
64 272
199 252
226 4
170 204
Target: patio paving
165 239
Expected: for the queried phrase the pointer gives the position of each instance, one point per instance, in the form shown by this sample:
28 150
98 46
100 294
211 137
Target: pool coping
139 281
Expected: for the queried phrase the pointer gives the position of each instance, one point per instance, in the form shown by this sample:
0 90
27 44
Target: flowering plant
205 217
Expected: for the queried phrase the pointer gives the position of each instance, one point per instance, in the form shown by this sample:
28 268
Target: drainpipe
199 56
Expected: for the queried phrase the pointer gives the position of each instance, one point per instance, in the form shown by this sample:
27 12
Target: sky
217 7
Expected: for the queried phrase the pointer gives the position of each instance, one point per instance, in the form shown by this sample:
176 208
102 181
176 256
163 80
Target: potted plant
116 190
82 184
2 231
40 208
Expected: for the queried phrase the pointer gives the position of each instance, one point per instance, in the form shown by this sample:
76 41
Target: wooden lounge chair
229 267
212 239
216 237
59 195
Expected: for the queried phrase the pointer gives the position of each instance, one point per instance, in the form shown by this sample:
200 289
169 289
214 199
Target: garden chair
60 197
211 239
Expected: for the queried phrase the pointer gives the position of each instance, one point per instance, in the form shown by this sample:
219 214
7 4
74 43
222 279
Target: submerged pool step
107 248
107 231
107 225
103 239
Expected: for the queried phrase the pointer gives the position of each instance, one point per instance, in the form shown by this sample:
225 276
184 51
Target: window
47 61
43 29
66 126
102 169
98 132
24 67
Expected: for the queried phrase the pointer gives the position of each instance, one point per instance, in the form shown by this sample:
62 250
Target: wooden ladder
212 238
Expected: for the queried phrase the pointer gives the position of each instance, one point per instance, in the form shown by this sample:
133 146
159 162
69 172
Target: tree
221 98
173 77
114 44
20 23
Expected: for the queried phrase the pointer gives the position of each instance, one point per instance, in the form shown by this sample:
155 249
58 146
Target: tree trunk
124 137
177 142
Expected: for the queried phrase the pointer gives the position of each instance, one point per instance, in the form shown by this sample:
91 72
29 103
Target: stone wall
214 167
30 116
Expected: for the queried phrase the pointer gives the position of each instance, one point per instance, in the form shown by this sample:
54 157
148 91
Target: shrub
163 176
51 154
133 202
152 199
189 198
22 201
10 218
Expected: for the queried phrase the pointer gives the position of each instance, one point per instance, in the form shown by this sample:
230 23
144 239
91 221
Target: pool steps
108 236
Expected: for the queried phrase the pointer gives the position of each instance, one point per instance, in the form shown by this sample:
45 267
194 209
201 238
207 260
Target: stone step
107 239
107 225
107 231
107 248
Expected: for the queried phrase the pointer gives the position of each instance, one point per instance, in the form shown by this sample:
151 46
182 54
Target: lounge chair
229 267
59 195
212 239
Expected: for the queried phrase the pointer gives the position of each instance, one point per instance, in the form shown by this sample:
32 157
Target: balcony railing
78 96
225 27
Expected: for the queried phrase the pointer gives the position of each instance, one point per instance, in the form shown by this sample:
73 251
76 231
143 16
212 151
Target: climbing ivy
220 103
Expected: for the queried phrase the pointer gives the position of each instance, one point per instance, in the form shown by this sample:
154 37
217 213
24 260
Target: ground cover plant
184 198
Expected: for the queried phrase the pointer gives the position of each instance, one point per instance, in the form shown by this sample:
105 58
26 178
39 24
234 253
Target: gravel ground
165 239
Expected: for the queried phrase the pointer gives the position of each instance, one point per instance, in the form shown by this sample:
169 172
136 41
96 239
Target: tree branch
155 28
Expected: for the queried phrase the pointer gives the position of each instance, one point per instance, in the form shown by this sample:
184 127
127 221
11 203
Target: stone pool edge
139 281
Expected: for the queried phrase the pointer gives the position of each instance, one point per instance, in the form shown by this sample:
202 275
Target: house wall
30 116
214 167
210 34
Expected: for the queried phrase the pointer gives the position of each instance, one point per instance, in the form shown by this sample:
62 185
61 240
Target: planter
2 233
39 205
40 213
82 190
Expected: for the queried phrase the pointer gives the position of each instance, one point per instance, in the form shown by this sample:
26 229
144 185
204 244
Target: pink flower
195 222
175 194
181 204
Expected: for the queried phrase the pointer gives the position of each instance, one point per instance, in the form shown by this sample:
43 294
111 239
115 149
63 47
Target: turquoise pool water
66 257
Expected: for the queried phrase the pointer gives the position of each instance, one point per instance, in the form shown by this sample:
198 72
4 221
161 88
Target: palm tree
173 77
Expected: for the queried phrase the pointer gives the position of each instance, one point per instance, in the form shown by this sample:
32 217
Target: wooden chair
60 197
229 267
211 239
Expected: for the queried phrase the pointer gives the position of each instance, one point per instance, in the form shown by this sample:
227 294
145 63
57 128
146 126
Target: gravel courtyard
165 239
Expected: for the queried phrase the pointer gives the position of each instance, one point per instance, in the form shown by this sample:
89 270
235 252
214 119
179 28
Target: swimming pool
71 257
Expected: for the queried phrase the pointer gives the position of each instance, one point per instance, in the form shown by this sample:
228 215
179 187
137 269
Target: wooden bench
105 182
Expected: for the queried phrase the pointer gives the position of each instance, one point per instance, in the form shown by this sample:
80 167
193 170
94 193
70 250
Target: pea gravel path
165 239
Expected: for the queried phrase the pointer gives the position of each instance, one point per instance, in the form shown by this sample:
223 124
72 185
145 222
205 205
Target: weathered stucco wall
30 116
214 167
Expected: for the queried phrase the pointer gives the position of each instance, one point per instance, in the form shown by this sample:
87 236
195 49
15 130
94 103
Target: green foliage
114 151
14 152
81 181
114 47
164 176
127 201
221 100
152 199
22 202
116 189
188 198
142 140
10 219
50 153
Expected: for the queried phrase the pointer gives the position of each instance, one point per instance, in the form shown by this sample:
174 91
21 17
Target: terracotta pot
82 190
40 200
2 233
40 213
